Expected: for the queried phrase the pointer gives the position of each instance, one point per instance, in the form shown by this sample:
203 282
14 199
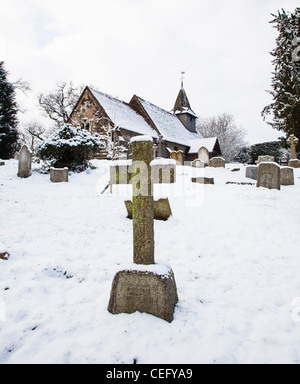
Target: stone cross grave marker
294 162
147 287
24 169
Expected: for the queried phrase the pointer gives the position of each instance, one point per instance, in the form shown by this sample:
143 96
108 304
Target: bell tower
183 111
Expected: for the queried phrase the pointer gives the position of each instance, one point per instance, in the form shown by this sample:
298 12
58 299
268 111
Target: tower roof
182 104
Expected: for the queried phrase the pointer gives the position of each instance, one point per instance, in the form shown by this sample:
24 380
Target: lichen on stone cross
142 174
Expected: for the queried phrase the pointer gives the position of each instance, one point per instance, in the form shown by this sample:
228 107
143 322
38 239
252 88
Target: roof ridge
156 106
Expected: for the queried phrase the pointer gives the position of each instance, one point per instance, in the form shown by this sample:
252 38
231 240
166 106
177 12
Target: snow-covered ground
234 250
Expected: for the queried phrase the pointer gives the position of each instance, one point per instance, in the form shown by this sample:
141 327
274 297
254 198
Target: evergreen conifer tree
8 116
285 107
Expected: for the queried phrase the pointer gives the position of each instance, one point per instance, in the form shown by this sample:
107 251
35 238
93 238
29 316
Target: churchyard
231 245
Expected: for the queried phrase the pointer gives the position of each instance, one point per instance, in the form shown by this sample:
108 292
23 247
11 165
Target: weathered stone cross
146 288
143 174
293 141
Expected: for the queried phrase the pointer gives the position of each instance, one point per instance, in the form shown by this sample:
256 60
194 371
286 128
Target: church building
174 133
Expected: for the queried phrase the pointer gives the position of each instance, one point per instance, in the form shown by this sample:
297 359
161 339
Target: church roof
149 120
182 104
209 143
168 124
122 115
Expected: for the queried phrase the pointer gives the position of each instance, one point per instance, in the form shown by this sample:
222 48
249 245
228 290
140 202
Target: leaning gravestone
59 175
287 176
24 170
203 155
217 162
145 288
268 176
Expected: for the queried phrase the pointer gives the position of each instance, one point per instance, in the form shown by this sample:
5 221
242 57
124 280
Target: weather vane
182 78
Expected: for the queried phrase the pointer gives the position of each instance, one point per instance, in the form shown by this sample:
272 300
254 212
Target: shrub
70 147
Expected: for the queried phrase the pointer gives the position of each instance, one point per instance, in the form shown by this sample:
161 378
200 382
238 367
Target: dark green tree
8 116
285 108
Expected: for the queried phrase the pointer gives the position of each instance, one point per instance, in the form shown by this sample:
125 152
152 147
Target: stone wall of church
88 115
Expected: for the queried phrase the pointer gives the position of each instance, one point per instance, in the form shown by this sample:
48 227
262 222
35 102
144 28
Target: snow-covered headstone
287 176
144 288
203 180
265 159
59 175
268 176
198 163
252 172
24 170
217 162
203 155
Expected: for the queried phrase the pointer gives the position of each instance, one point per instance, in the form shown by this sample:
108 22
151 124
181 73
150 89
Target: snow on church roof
209 143
122 115
169 125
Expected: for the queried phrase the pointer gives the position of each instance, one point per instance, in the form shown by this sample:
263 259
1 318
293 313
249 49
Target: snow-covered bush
70 147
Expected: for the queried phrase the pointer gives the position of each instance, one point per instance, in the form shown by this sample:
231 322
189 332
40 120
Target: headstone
265 159
252 172
152 292
217 162
59 175
287 176
145 288
16 156
198 163
162 209
203 180
268 176
203 155
294 162
2 163
24 170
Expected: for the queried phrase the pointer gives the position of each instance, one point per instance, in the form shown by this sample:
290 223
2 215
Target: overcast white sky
127 47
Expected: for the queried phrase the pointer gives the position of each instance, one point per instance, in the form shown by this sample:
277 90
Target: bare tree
22 85
230 136
35 130
58 104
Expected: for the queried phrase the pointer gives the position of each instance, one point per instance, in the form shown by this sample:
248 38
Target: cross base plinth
149 289
294 163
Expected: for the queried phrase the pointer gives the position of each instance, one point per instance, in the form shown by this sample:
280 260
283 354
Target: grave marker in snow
59 175
268 176
2 163
162 209
24 170
198 163
217 162
294 162
264 159
287 176
203 155
252 172
145 288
